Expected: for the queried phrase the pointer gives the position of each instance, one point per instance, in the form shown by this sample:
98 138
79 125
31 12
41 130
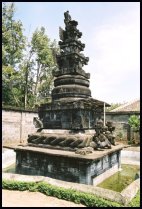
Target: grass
135 202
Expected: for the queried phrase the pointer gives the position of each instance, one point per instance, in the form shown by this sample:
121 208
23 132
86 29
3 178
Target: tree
6 83
55 49
43 57
27 66
11 87
13 40
28 76
13 45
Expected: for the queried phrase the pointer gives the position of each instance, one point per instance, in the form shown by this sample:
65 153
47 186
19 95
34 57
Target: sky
111 33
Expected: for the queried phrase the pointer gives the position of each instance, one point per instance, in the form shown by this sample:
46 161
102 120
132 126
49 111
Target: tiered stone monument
70 130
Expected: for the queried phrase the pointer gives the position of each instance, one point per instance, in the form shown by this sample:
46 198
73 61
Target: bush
120 135
134 122
87 199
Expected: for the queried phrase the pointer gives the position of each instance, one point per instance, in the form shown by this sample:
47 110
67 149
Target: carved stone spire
72 80
72 109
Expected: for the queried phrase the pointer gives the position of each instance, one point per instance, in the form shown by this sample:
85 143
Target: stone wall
16 125
120 120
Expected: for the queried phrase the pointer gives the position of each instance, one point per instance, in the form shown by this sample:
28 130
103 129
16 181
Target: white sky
111 33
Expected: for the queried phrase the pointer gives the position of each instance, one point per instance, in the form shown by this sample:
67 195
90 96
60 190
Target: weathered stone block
65 165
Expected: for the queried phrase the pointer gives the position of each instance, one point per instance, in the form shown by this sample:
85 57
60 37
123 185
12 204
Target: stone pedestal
66 165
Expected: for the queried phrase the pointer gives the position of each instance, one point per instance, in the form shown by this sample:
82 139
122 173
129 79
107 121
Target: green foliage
11 88
130 142
135 202
13 40
134 122
87 199
43 58
120 135
13 45
27 66
40 46
6 83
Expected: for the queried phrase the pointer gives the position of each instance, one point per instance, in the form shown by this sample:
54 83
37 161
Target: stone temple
68 144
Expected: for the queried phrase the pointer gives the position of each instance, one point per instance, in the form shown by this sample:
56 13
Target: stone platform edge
70 154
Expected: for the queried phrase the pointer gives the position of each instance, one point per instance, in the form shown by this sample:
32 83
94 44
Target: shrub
120 135
134 122
87 199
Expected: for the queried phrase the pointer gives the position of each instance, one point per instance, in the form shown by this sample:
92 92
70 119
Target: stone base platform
66 165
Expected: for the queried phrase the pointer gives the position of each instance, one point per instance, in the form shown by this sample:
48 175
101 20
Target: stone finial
67 18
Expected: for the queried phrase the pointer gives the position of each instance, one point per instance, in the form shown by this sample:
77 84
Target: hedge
86 199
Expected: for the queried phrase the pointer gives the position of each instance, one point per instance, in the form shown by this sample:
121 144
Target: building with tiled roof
128 107
120 117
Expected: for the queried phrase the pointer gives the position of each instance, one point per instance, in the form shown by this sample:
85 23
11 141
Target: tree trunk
26 79
37 80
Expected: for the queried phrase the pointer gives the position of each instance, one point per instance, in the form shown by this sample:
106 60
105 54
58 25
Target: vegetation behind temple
134 122
27 65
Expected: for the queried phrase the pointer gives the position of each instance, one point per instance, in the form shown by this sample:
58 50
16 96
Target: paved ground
132 148
33 199
133 156
129 161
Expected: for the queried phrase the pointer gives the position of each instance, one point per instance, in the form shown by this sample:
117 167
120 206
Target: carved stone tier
73 90
73 103
67 60
71 79
74 140
73 71
71 113
71 31
72 46
65 140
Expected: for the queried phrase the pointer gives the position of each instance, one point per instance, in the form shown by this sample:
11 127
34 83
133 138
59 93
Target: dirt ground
33 199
